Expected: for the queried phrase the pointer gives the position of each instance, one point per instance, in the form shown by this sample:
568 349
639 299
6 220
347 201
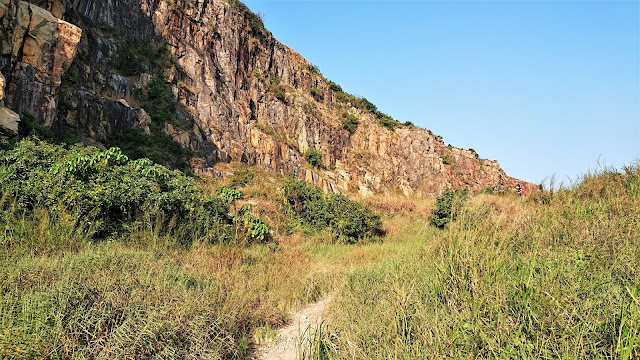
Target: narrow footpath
284 346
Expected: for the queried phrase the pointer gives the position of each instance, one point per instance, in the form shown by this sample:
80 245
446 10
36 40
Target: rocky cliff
241 95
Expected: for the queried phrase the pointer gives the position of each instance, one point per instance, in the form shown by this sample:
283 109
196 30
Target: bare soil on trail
285 345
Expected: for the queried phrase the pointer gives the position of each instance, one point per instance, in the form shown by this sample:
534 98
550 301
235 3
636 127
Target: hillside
147 75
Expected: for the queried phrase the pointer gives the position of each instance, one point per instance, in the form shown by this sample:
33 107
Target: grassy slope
508 279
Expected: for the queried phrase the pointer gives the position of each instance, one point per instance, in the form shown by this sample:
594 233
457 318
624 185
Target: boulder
8 122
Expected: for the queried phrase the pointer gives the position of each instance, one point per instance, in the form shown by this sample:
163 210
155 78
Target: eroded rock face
8 119
1 89
246 96
36 49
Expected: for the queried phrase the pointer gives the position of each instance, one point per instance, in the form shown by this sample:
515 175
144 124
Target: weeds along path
285 345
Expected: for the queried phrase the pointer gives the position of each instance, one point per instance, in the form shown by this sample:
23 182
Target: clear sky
544 87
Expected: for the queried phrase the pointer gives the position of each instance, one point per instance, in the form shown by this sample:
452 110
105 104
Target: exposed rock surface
244 96
8 119
36 48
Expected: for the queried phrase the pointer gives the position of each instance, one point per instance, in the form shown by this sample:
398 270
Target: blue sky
544 87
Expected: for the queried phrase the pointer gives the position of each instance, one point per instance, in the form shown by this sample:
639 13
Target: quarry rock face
36 48
8 119
243 96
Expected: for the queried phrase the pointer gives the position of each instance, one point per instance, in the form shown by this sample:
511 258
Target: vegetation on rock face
350 220
313 157
446 159
350 122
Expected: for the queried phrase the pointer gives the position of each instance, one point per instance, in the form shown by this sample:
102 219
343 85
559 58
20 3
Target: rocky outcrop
36 49
8 119
243 96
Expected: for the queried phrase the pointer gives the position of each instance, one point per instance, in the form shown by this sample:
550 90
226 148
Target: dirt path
283 347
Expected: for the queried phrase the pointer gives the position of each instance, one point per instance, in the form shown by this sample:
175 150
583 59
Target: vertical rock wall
246 96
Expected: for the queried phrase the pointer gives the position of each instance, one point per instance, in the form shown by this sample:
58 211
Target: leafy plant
335 87
348 219
350 122
446 159
108 188
229 194
313 157
447 206
314 69
315 92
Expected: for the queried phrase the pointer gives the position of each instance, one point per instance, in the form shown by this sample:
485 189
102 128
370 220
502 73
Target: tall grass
510 279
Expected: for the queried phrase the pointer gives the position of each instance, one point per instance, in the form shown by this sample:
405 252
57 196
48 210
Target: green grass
507 279
553 276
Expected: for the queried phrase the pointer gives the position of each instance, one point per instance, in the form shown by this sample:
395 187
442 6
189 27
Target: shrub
350 122
447 206
349 220
255 229
108 189
29 126
335 87
229 194
315 92
158 146
314 69
242 176
446 159
313 157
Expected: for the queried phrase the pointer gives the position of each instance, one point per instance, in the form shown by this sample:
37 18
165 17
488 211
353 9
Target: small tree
350 123
447 206
313 157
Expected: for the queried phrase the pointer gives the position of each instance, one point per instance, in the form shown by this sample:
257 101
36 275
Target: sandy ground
283 347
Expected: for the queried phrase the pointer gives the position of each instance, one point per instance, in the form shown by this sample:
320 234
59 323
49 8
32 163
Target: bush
350 122
315 92
108 189
28 126
314 69
349 220
158 146
447 206
313 157
446 159
335 87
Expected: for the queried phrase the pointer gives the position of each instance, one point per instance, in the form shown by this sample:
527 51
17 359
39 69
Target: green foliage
364 104
158 146
255 228
447 160
255 23
350 122
315 92
29 127
135 58
518 281
242 176
314 69
158 101
106 188
387 121
229 194
349 220
448 204
335 87
129 61
313 157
